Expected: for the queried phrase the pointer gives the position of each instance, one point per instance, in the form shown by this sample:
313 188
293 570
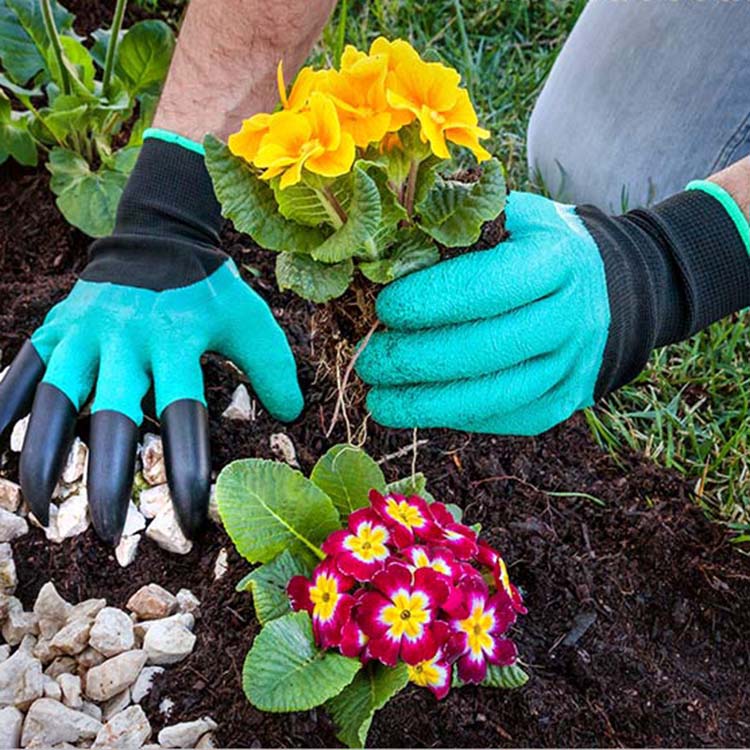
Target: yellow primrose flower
312 139
431 92
396 52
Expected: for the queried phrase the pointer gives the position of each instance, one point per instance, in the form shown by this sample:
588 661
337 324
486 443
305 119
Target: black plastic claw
113 441
18 386
187 456
48 439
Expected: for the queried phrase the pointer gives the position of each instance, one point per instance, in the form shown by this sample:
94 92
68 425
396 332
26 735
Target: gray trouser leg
645 96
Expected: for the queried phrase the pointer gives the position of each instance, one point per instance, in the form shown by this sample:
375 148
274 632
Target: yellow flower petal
469 137
433 132
246 141
335 162
324 121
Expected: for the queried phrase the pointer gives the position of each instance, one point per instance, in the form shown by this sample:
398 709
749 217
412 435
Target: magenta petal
350 564
504 653
298 590
369 611
472 670
394 577
455 646
432 584
384 649
418 649
441 688
353 639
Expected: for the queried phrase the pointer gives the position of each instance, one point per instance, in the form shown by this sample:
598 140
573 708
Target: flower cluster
330 114
406 582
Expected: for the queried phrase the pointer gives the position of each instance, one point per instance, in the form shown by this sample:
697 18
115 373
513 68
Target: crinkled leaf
78 62
267 507
268 583
508 678
68 114
353 708
286 671
307 205
411 250
318 282
15 139
88 200
363 220
143 56
347 474
23 38
250 203
409 485
453 212
391 212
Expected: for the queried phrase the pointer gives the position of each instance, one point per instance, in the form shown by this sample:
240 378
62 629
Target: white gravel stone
73 638
51 688
90 657
168 642
206 742
4 652
240 407
166 707
128 730
152 457
152 602
70 686
114 675
11 721
51 610
18 435
44 651
187 733
141 628
221 565
213 506
72 516
283 448
154 500
28 644
91 709
126 550
48 722
134 521
75 464
10 495
112 632
21 680
187 602
11 526
61 665
88 609
142 686
18 623
114 705
166 532
8 577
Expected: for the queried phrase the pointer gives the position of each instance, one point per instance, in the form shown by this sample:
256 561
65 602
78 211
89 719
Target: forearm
224 67
735 179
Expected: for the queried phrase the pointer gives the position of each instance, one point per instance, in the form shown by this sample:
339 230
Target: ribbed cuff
169 137
729 203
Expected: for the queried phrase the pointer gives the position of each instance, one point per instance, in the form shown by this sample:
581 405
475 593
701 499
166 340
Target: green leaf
23 38
307 205
409 485
19 91
78 62
363 221
456 511
508 678
88 200
353 708
143 56
318 282
453 212
347 474
250 203
286 671
267 507
69 114
15 139
412 250
268 582
101 39
146 110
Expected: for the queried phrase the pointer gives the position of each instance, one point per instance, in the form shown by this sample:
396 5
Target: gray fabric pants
644 96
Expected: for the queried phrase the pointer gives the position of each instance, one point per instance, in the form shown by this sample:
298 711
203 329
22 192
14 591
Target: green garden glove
514 339
155 296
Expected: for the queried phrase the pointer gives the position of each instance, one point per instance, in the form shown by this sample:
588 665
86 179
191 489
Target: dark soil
639 608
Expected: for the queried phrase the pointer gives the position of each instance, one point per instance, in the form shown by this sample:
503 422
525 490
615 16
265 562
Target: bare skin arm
224 67
735 179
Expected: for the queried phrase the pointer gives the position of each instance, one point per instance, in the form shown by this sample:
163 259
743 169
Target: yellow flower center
406 614
424 674
369 543
404 513
504 578
477 626
324 595
422 561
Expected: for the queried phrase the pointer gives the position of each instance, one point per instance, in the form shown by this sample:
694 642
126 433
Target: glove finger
530 212
64 388
261 350
113 443
461 402
187 455
48 439
474 286
117 414
18 386
467 350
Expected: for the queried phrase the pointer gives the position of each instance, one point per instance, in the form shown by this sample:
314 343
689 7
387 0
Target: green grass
688 410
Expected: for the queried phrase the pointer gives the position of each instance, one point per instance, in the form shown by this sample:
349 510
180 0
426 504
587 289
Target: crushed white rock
114 675
18 435
221 565
240 407
166 532
152 602
75 464
186 733
168 642
283 448
10 495
153 500
152 457
112 632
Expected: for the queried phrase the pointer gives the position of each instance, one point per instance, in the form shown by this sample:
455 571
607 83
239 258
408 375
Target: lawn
688 409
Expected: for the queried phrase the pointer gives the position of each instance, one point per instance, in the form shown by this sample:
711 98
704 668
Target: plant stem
339 214
54 37
411 187
109 60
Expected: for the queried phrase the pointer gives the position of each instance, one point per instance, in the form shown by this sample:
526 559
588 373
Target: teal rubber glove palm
514 339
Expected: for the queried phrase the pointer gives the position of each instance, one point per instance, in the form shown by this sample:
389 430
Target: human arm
514 339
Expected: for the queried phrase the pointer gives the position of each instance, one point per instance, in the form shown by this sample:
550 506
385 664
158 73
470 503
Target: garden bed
639 608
